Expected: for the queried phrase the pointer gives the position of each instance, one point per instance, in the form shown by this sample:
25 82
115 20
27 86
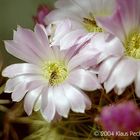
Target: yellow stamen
91 25
55 72
132 45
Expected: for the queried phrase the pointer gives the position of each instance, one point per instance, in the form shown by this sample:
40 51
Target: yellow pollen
91 25
132 45
54 72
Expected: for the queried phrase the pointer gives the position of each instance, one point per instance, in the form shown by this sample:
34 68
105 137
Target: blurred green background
13 13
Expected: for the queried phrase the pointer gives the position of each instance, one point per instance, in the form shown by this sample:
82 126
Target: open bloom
122 117
52 80
82 13
122 68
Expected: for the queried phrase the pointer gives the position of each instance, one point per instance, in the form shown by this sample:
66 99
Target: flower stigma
55 72
91 25
132 45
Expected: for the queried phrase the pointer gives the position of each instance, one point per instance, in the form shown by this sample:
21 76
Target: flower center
91 25
132 45
55 72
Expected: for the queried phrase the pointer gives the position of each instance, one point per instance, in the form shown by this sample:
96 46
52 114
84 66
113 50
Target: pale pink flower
122 117
121 67
82 13
51 80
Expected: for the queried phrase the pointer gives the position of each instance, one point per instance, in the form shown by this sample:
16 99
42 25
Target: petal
106 67
61 102
81 58
75 98
126 70
30 99
62 27
29 40
123 20
113 24
42 36
19 69
71 39
84 80
107 44
130 18
122 75
49 111
22 52
19 92
12 83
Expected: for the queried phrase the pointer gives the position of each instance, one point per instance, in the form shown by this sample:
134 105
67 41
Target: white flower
51 80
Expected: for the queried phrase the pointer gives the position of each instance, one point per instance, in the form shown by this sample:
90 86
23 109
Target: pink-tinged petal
106 67
21 52
123 20
75 98
107 44
113 24
62 28
36 83
42 36
70 53
122 75
59 55
49 111
30 99
126 71
61 102
19 69
130 18
85 39
79 46
84 80
19 92
71 39
81 58
29 40
12 83
91 63
114 46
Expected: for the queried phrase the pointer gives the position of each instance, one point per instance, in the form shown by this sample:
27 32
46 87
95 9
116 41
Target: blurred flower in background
42 12
121 117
